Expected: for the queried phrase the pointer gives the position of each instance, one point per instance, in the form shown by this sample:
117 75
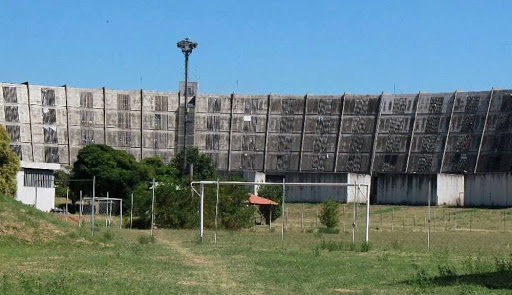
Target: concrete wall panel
450 190
488 189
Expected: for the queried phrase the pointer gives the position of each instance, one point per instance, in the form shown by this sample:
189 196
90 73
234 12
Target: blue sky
297 47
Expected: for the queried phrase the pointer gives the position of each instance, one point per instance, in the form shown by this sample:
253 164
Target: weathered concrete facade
489 189
325 137
414 189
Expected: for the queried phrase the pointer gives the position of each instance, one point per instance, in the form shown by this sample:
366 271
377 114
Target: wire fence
402 218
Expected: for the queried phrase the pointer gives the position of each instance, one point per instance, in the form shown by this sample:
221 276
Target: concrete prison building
456 145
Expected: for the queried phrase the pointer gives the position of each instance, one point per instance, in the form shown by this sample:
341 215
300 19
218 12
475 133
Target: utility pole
186 47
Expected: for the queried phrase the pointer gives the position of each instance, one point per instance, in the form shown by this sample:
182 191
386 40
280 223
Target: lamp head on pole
186 46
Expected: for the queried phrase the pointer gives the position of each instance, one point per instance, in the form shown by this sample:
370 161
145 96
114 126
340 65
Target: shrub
233 210
365 246
274 193
9 164
329 214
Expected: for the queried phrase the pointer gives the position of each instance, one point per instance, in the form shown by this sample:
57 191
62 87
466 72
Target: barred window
214 105
160 140
48 96
14 132
87 137
160 122
86 99
124 138
38 178
87 118
161 103
49 116
51 154
11 114
10 94
16 148
50 135
123 120
123 101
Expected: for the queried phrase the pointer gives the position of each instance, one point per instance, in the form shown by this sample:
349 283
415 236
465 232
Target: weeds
503 264
422 278
397 245
326 230
446 270
144 240
365 246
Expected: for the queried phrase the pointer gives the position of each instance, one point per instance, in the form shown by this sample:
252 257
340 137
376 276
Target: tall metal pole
216 211
67 201
92 207
367 230
153 207
131 213
106 213
354 223
201 207
185 116
428 220
121 214
282 209
186 47
270 218
80 211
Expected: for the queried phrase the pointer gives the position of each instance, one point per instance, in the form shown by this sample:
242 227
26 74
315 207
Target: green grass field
42 254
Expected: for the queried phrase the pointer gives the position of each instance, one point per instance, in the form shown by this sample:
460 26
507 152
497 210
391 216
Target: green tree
62 183
154 167
203 165
274 193
9 164
329 214
116 171
175 207
233 210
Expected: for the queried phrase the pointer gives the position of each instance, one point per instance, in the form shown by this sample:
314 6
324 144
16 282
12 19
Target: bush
365 246
175 207
233 210
274 193
329 214
9 165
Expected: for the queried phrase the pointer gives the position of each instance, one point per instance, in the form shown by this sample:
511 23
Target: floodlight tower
186 47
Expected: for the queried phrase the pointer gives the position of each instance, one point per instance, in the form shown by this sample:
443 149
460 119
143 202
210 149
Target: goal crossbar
99 200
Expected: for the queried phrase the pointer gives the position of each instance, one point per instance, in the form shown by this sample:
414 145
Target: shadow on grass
491 280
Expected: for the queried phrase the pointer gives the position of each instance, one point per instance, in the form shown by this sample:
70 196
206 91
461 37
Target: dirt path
209 270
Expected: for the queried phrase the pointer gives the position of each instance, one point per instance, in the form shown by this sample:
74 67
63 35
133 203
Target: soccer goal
102 208
359 189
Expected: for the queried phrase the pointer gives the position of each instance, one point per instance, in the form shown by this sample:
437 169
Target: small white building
35 184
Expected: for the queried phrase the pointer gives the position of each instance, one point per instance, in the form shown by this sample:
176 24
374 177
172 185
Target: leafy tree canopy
203 165
116 171
9 164
154 167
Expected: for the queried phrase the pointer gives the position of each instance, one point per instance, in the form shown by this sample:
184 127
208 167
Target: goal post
105 206
357 189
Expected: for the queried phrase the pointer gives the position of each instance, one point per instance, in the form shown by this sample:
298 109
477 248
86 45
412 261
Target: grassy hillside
22 223
42 254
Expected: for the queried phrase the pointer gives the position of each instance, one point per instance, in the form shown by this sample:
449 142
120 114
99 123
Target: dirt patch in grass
212 270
